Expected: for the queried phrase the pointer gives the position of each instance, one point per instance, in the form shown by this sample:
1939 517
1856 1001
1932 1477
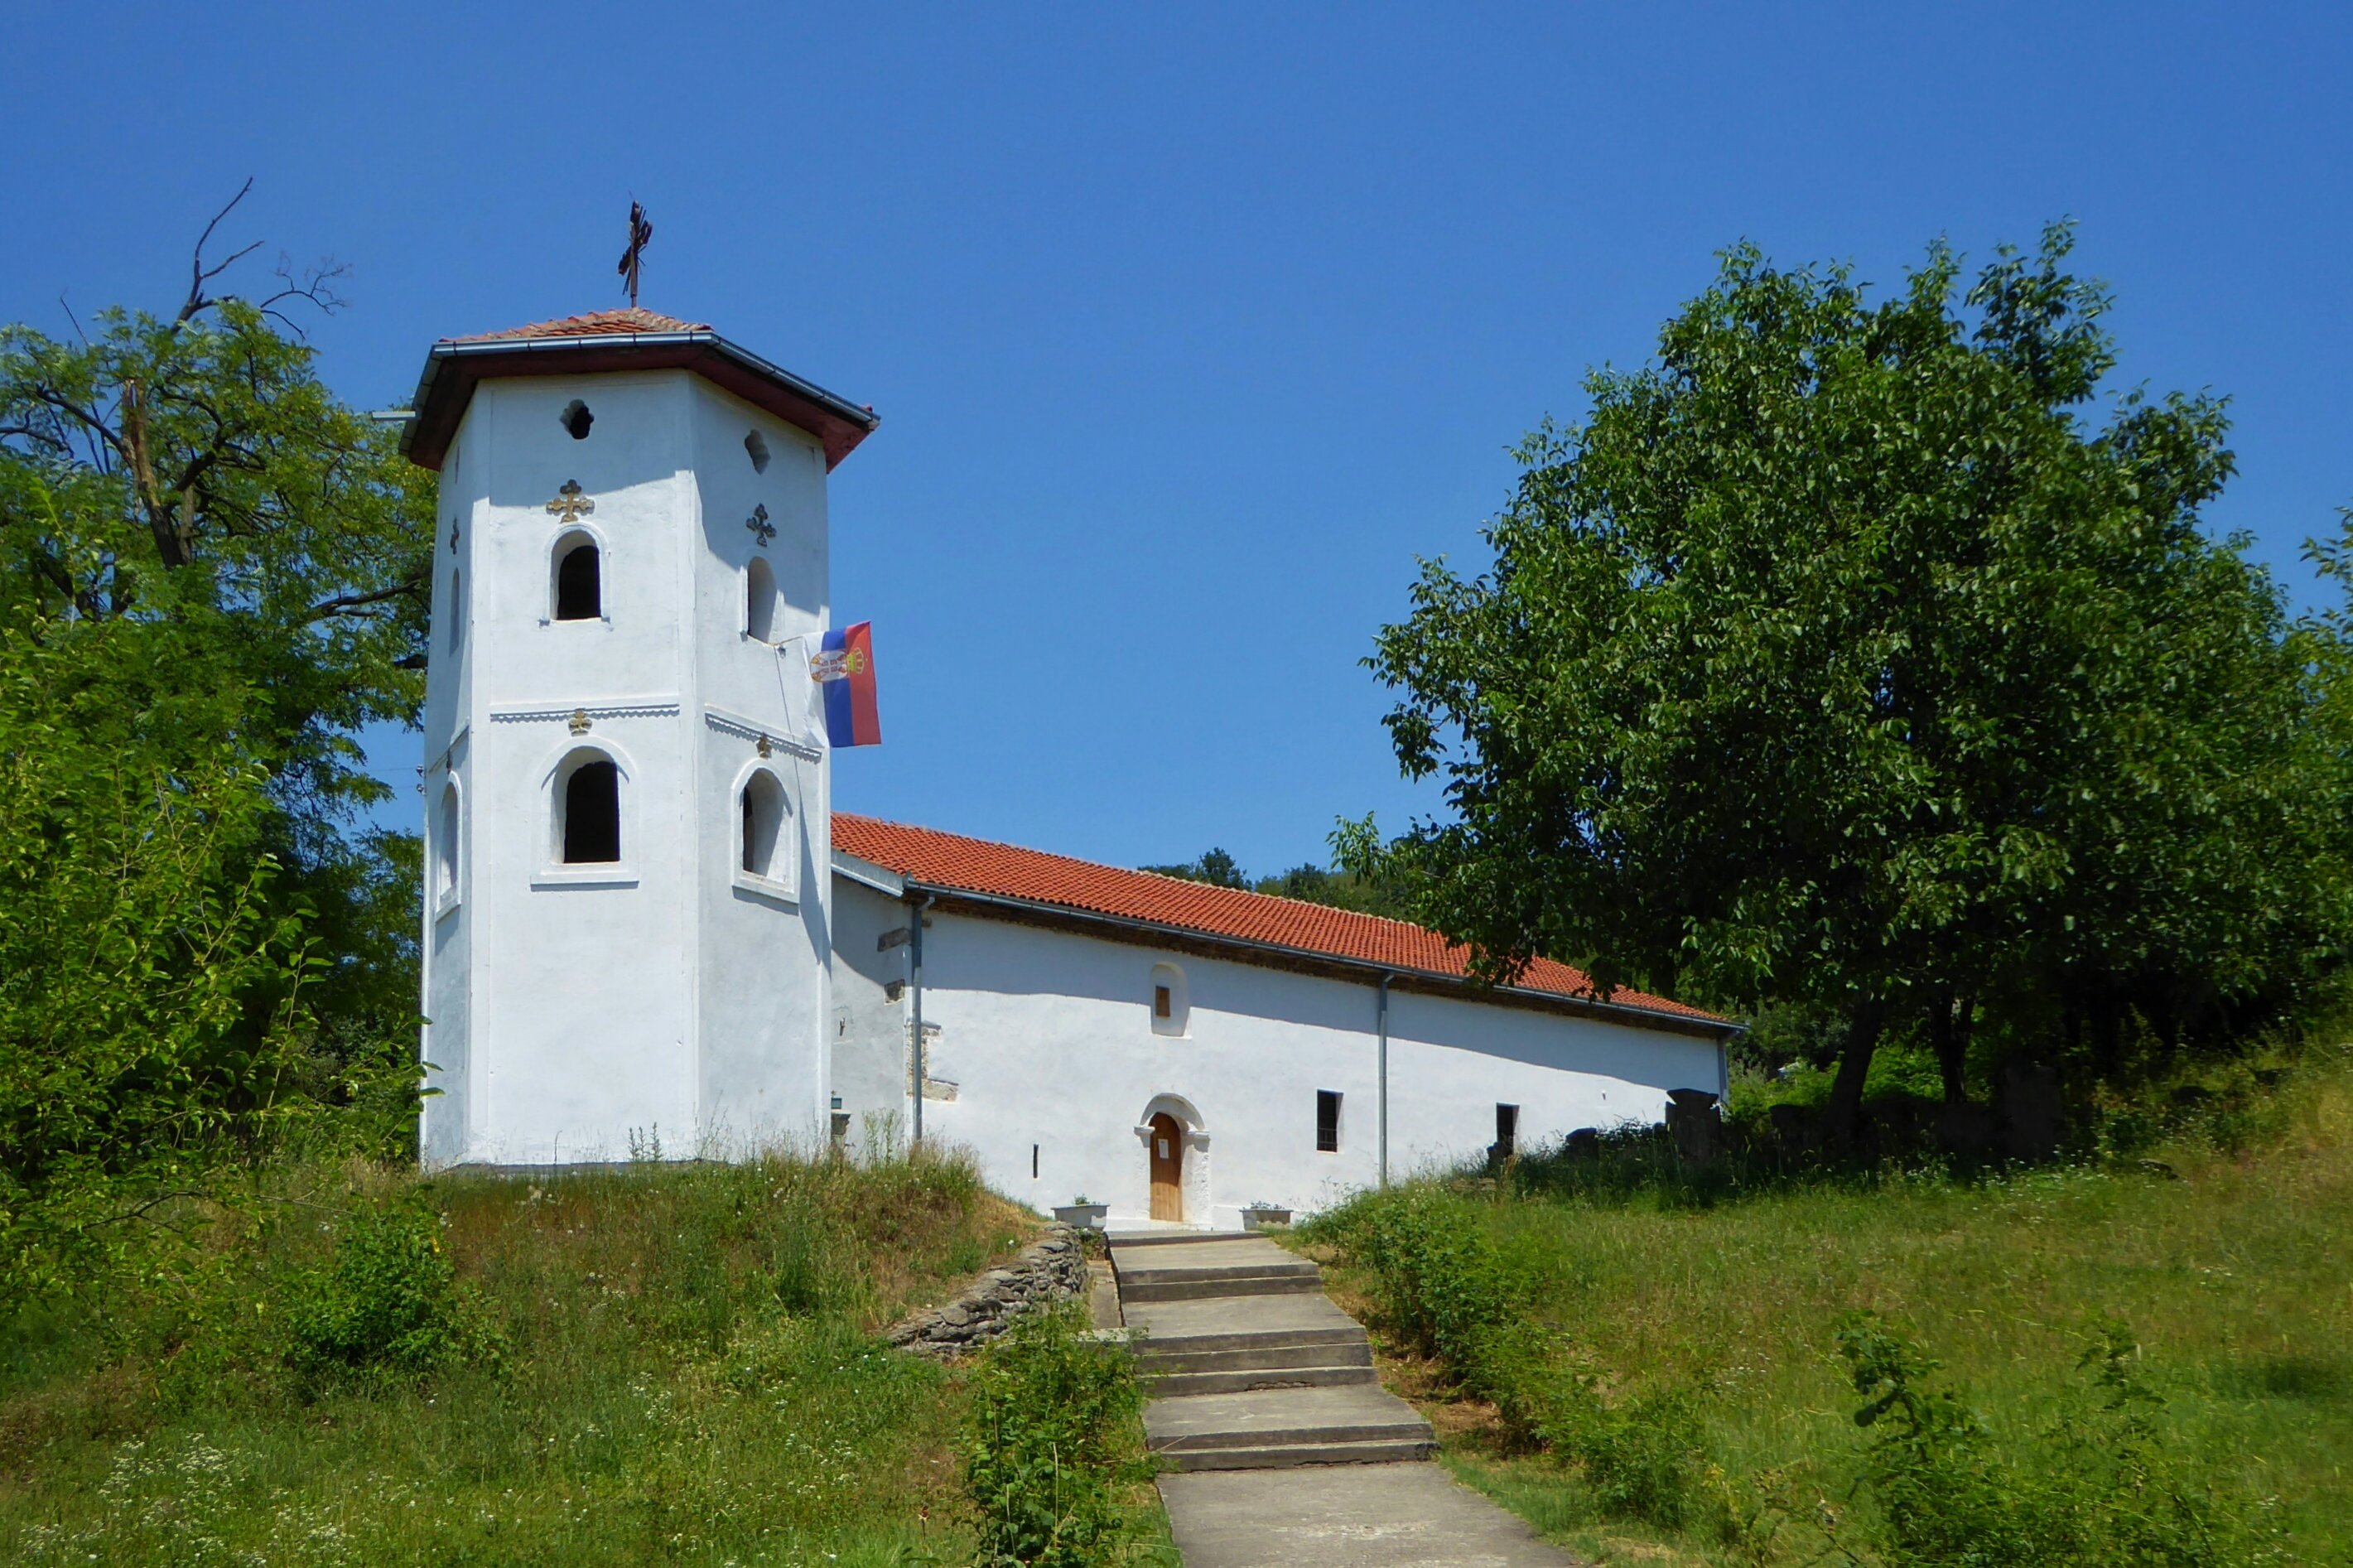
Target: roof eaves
450 349
1716 1027
881 879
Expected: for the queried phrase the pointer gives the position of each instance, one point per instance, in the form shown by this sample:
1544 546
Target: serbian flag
843 666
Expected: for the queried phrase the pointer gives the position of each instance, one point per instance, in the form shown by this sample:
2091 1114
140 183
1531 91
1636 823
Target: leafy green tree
1215 868
191 476
1308 882
1314 884
1842 658
151 1001
212 574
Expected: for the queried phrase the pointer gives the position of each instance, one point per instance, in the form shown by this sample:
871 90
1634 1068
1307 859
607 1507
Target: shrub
386 1305
1053 1434
1438 1282
1640 1455
1442 1286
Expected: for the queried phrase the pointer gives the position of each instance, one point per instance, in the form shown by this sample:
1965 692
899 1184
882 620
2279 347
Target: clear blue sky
1191 329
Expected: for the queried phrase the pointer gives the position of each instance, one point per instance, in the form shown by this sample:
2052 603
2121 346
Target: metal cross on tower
633 257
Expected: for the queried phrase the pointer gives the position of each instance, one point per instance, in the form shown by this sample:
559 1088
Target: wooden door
1167 1168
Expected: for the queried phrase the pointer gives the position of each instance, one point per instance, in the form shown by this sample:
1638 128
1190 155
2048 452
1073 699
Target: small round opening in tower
759 449
576 418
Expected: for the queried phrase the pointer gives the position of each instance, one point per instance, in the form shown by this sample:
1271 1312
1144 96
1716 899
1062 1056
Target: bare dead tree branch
315 285
199 274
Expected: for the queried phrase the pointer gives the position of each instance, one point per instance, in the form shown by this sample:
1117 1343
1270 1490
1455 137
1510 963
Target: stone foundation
1047 1271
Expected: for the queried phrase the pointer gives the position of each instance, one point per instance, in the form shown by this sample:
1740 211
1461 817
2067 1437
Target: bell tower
627 920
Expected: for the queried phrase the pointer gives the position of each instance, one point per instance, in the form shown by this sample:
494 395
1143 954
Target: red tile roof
596 324
953 864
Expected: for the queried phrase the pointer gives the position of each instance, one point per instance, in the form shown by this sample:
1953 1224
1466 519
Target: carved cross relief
570 505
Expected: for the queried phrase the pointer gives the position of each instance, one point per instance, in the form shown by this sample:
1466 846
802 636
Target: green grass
2235 1274
685 1379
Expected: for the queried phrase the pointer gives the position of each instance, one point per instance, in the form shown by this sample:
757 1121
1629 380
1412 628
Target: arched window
760 599
445 847
764 848
1169 1006
590 801
579 579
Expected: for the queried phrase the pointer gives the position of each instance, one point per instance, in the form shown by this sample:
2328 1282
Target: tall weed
2098 1487
1053 1434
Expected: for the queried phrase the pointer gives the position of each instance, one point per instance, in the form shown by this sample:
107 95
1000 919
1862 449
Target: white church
647 932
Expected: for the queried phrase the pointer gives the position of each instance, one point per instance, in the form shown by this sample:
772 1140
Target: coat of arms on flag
842 666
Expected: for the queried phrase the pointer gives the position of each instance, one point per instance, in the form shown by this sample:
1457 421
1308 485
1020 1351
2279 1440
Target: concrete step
1294 1455
1226 1323
1347 1516
1243 1380
1240 1268
1150 1290
1254 1353
1173 1237
1281 1417
1195 1252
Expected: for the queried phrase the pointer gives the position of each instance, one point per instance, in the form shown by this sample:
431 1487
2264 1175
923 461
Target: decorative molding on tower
562 713
735 724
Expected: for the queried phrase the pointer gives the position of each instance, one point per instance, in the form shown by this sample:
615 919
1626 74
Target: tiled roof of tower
951 863
596 324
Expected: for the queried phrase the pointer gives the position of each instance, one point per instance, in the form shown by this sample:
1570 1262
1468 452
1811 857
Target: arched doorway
1167 1169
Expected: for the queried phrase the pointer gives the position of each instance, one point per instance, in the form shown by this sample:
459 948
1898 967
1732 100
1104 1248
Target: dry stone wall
1046 1271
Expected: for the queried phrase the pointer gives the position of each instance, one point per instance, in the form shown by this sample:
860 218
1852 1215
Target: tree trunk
1854 1067
1948 1033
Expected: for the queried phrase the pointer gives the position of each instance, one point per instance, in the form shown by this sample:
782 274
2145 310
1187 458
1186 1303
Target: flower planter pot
1084 1216
1259 1219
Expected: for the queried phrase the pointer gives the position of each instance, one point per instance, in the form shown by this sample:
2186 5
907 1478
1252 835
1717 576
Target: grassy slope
2237 1278
685 1382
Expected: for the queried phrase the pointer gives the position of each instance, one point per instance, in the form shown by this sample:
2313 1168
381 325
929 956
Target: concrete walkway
1277 1443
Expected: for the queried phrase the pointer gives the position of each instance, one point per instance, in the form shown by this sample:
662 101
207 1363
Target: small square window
1168 1014
1327 1121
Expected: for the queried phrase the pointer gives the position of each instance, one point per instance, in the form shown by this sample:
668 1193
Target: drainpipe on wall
1384 1097
916 984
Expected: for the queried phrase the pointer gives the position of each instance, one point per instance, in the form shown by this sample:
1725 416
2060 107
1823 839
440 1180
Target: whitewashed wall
762 995
576 1011
1047 1039
870 1033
